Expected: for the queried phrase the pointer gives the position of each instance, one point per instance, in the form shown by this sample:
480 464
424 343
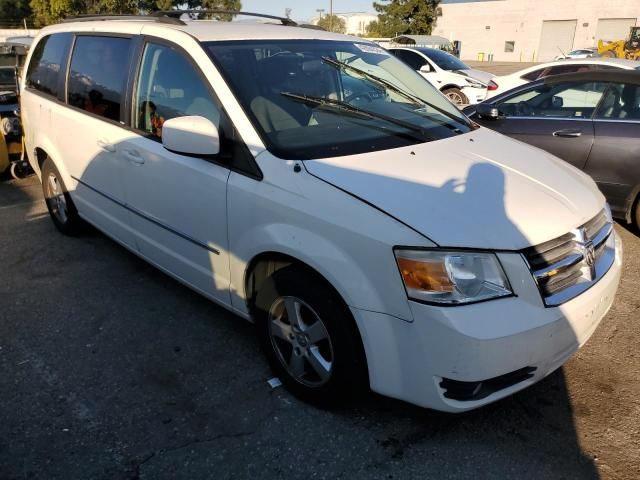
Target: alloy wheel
56 198
301 341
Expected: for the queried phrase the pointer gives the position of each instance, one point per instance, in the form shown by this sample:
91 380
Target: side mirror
192 135
557 102
426 68
487 111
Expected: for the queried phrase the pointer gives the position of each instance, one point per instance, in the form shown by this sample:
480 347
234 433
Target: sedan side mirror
192 135
426 68
487 111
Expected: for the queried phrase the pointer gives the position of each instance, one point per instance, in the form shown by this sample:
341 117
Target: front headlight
451 277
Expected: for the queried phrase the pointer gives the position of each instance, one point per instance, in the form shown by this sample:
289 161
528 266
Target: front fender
345 240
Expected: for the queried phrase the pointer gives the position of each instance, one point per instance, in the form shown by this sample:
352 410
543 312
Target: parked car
501 84
580 53
461 84
374 234
590 119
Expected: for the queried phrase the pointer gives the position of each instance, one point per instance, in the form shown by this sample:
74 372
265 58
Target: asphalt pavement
112 370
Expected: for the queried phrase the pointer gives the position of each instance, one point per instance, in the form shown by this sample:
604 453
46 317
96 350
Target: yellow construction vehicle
622 48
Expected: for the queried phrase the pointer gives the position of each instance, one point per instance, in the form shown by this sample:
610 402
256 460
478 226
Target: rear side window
97 75
45 70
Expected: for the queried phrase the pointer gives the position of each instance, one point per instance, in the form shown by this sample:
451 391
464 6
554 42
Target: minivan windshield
317 99
444 60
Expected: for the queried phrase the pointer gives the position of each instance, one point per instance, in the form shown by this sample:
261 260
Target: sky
305 9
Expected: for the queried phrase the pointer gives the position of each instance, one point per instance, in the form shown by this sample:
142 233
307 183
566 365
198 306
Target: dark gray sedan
590 119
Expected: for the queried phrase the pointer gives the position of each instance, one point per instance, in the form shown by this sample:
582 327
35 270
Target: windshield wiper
390 86
344 107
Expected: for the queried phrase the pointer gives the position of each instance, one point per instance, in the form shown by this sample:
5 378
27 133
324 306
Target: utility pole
320 12
331 15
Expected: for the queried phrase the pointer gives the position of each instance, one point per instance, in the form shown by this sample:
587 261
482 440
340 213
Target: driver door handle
567 133
134 157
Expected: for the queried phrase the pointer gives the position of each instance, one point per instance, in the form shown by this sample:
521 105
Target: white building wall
521 21
356 22
16 32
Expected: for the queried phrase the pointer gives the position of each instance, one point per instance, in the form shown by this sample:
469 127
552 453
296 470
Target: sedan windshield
444 60
316 99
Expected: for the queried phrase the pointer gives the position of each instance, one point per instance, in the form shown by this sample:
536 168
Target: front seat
610 103
630 108
283 73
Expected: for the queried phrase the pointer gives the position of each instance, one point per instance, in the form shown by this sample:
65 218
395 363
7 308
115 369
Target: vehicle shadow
155 381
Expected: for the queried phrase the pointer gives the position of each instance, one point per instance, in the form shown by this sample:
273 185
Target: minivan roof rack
178 13
148 18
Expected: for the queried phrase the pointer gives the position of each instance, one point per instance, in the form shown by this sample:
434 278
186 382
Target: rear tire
456 96
310 338
61 208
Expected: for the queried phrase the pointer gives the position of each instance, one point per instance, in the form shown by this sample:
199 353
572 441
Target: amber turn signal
425 275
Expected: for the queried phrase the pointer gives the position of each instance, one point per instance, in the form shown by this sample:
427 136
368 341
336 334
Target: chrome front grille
568 265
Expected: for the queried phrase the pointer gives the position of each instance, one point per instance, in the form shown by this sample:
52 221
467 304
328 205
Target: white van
316 185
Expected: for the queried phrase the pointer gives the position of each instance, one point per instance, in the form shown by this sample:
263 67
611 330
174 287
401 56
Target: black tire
63 211
456 96
636 215
348 374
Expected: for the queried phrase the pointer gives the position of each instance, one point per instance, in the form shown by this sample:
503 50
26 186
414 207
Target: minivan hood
476 190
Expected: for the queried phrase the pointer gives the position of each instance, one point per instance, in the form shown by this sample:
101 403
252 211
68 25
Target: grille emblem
589 252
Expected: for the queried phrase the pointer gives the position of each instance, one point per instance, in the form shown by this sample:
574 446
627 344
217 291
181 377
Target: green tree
396 17
227 5
12 12
333 23
46 12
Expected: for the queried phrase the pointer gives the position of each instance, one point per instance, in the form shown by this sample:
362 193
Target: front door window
169 87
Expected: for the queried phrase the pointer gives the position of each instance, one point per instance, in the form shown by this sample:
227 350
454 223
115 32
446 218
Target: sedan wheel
456 96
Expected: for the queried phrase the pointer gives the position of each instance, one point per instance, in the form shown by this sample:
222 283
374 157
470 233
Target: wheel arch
632 203
450 85
265 264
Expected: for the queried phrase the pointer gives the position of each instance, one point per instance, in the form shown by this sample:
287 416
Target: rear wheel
309 337
456 96
59 203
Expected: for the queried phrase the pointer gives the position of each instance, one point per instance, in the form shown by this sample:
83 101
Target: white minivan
316 185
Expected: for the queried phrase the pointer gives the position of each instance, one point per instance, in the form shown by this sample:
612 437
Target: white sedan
501 84
461 84
580 53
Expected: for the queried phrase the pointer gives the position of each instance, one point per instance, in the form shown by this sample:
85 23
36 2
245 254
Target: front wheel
456 96
310 338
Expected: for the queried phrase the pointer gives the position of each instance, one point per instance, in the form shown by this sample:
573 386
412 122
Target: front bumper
409 360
